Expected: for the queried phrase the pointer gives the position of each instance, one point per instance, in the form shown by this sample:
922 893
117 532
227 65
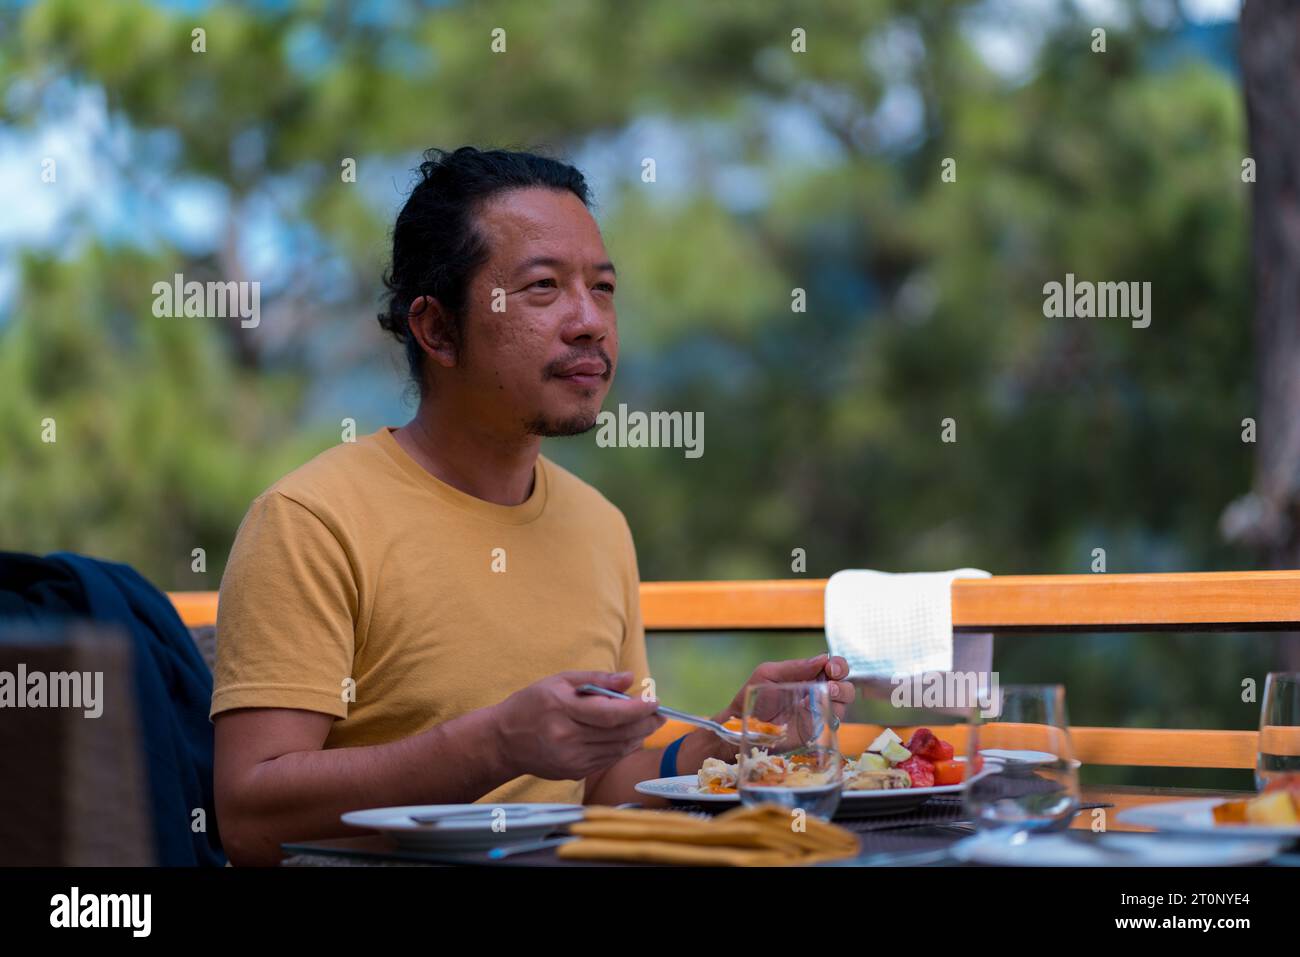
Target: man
405 619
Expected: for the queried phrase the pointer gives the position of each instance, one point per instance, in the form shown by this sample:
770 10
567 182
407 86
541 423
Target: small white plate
1196 816
516 823
1111 850
1019 757
1013 759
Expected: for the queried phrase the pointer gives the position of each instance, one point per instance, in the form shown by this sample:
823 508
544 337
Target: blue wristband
668 763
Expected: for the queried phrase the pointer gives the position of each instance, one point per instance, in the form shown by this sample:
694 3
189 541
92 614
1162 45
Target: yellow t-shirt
363 587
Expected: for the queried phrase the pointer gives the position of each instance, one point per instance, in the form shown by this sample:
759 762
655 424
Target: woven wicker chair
75 790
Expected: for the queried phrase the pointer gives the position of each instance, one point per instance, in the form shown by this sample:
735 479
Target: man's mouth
582 381
587 374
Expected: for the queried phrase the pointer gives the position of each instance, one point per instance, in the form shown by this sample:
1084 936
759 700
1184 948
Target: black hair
436 247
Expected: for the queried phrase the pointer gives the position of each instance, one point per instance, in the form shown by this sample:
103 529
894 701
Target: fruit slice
895 753
920 771
1274 810
1230 812
884 740
949 772
872 762
925 743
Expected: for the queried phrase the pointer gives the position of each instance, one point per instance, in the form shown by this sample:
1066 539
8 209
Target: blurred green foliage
775 170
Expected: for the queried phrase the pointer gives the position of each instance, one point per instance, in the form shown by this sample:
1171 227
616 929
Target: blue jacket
173 684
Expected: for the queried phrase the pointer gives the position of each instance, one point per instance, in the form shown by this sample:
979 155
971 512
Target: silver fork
731 737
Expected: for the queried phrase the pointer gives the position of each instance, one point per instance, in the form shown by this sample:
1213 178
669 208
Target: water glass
1025 777
789 750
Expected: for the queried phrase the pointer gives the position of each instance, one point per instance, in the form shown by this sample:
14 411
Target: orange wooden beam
196 608
1165 748
1103 602
1132 747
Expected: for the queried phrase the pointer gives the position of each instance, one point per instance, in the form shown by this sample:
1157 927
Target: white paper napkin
886 625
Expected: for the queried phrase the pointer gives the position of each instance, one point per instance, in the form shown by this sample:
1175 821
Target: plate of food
887 778
1275 812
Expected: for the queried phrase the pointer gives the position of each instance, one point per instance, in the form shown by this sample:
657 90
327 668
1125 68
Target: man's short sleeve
633 657
286 614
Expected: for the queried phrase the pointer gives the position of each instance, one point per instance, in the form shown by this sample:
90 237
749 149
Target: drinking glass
1025 777
1279 728
789 750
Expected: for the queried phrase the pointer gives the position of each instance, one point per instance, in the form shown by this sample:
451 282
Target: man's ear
433 329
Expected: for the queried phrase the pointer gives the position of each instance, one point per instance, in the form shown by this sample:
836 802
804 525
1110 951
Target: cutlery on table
485 812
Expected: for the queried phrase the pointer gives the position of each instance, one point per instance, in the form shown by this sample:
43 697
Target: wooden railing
1188 601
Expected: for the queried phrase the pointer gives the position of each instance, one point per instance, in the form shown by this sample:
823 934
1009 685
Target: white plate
466 834
1111 850
1196 817
685 788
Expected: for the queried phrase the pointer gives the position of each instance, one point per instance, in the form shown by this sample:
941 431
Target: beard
558 428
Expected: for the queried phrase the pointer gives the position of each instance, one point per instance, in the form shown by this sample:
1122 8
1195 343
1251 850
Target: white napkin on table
887 625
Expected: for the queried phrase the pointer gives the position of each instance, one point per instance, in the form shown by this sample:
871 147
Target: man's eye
607 286
540 281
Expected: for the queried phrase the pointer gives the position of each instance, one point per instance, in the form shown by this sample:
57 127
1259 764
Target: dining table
919 837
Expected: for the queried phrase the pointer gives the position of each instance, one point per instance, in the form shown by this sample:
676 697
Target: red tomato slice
949 772
919 770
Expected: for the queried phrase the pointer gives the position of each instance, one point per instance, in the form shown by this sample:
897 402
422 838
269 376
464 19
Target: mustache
554 368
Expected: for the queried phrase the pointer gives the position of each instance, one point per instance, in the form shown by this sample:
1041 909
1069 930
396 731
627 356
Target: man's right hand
551 731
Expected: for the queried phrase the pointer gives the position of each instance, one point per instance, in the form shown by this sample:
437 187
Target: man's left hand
833 668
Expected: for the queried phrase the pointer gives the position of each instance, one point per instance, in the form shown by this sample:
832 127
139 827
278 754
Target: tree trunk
1270 64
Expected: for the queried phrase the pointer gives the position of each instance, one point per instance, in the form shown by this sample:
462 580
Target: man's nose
586 319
